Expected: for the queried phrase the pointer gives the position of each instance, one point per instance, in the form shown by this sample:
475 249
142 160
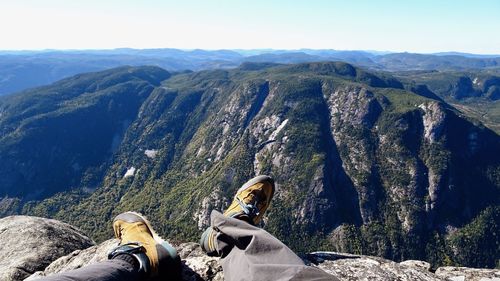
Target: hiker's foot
249 204
208 241
252 200
138 239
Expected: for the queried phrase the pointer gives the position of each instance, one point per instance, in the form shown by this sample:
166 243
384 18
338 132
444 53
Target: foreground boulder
198 266
468 274
353 268
30 244
49 247
77 259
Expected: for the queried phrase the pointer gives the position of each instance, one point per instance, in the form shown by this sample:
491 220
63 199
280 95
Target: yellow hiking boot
249 204
155 256
252 200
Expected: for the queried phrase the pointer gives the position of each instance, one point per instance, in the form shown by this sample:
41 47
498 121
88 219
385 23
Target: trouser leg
123 267
251 253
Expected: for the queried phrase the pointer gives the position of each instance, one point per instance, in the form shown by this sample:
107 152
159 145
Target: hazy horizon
394 26
241 51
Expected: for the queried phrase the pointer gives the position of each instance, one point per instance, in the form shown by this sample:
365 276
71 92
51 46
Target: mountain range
365 161
20 70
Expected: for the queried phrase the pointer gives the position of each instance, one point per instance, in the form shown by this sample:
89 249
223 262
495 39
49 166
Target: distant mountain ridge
469 55
20 70
364 162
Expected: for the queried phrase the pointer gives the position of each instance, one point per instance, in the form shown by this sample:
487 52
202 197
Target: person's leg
252 253
249 252
141 254
122 267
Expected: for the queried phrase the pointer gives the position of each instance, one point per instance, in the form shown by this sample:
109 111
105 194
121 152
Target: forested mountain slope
361 164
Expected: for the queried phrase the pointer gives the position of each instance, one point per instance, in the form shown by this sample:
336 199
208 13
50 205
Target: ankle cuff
135 251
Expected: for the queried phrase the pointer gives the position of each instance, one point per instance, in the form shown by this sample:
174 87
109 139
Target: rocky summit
53 252
30 244
364 163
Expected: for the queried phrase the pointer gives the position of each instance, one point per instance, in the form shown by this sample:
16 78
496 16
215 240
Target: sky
423 26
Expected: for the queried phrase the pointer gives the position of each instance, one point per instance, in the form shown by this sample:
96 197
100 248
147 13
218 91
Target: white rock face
266 131
264 127
151 153
213 202
433 120
130 172
278 130
476 81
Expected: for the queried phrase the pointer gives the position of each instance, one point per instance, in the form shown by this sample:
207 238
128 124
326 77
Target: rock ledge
50 247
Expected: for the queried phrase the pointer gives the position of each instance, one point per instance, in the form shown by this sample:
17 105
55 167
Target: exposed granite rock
57 237
353 105
416 264
353 113
353 267
78 259
468 274
214 201
30 244
269 147
433 120
198 266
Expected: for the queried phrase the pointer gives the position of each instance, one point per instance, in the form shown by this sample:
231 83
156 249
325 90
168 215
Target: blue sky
385 25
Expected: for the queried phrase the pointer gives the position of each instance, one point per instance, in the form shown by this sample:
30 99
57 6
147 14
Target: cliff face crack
256 106
260 146
343 190
27 272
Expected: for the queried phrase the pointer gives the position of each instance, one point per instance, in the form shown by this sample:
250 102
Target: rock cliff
354 155
49 247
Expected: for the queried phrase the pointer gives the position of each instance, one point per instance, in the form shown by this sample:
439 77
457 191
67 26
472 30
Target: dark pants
250 253
121 268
